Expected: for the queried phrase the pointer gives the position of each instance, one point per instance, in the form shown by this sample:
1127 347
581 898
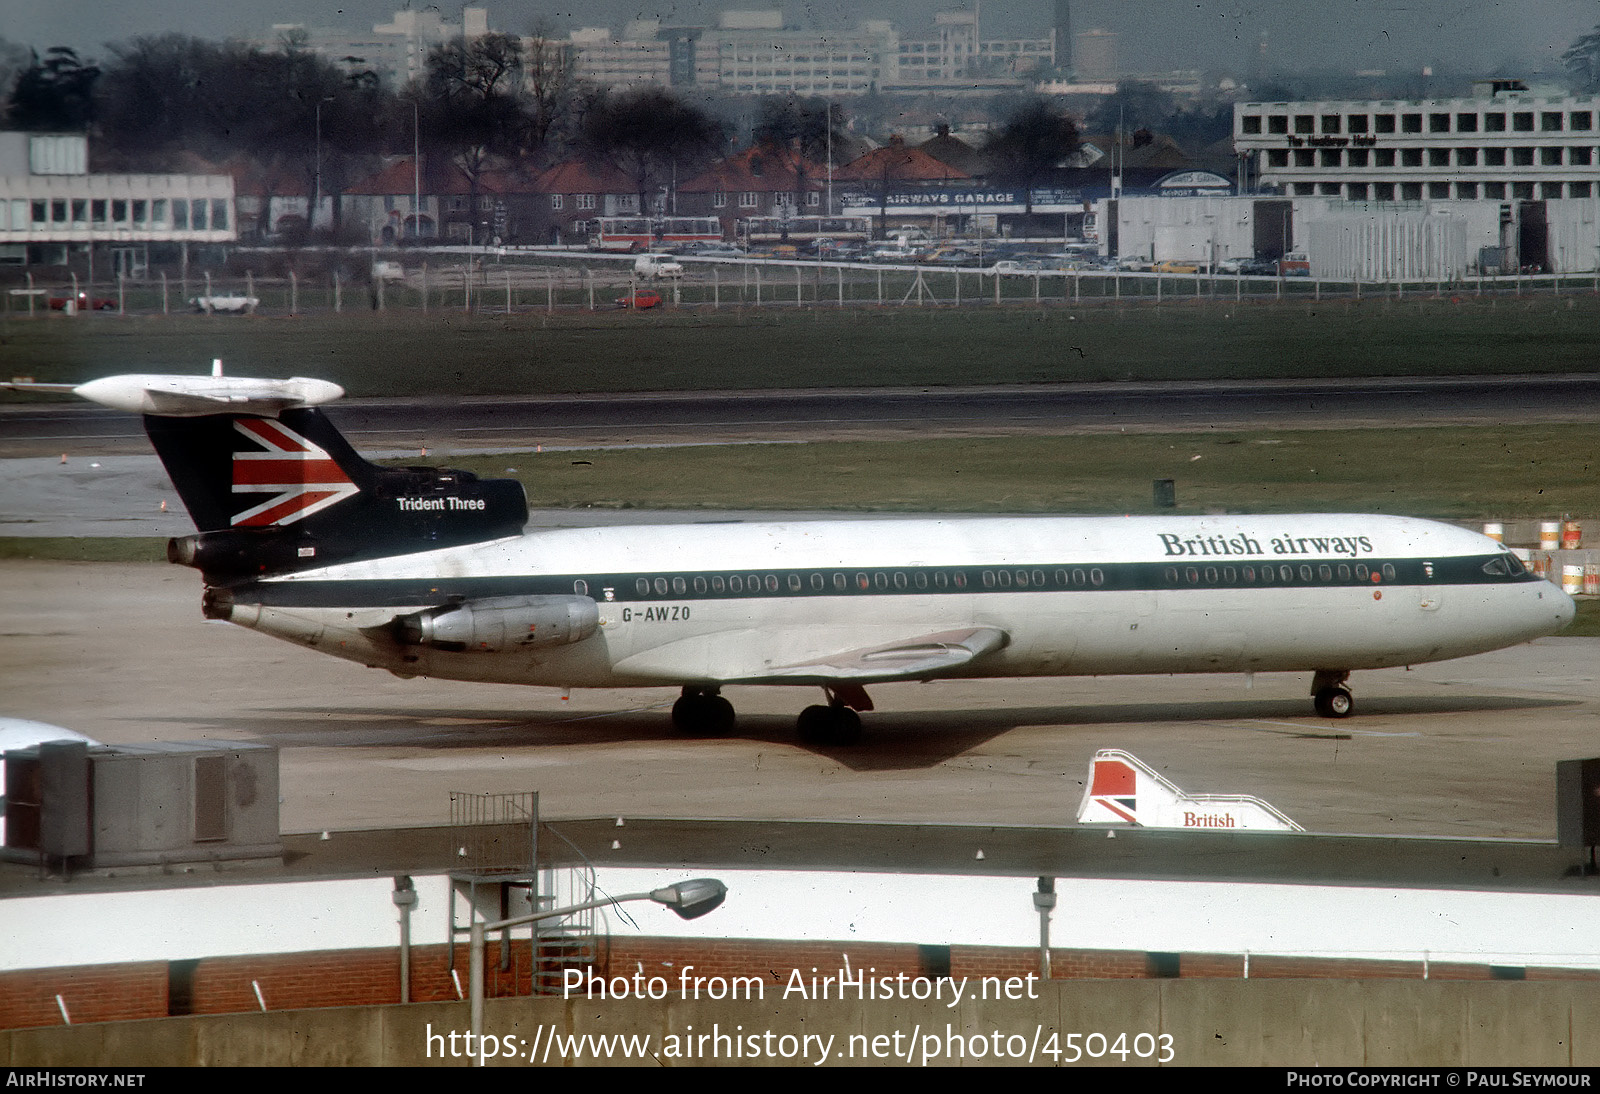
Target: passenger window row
1342 573
840 582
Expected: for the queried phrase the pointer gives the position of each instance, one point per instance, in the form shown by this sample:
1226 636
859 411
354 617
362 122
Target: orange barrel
1549 535
1495 531
1539 564
1571 535
1591 578
1572 580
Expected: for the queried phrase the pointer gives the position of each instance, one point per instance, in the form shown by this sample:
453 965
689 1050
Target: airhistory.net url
917 1048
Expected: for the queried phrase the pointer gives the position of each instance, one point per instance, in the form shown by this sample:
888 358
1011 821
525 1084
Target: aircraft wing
728 658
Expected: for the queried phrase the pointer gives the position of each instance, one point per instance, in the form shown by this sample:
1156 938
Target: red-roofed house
402 203
273 199
895 168
764 181
571 194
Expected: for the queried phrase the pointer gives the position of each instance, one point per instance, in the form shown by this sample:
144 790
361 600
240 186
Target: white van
657 266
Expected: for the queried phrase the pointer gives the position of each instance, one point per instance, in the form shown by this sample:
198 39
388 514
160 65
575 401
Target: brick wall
337 978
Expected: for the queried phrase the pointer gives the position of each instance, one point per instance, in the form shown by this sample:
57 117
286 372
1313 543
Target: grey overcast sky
1522 36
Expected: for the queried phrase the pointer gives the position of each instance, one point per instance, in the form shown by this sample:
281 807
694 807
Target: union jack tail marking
300 475
1115 788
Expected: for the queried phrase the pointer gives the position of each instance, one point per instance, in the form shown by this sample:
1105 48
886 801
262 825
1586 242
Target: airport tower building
52 207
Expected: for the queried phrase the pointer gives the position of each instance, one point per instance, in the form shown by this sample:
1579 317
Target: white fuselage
738 602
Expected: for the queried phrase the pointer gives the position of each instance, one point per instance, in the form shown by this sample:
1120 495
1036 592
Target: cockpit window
1506 565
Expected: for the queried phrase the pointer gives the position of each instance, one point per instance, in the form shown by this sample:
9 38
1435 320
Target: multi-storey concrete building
756 53
750 52
1505 143
397 50
51 207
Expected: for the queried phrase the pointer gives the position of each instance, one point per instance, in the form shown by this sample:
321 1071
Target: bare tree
474 109
1582 59
1030 144
548 70
647 135
807 127
55 93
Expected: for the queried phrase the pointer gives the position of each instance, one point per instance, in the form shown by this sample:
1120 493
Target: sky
1507 36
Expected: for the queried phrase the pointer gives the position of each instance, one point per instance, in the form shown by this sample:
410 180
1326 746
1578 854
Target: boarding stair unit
498 877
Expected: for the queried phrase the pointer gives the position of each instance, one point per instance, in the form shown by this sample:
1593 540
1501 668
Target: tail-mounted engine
501 623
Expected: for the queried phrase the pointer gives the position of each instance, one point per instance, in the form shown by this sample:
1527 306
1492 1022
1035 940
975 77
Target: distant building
755 53
1094 55
397 50
52 208
746 52
1502 144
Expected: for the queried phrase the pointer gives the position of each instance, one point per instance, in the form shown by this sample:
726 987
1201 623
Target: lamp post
1044 902
316 189
416 173
689 899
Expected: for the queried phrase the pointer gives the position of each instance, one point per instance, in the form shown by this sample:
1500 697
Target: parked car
84 303
640 299
1178 266
230 303
388 271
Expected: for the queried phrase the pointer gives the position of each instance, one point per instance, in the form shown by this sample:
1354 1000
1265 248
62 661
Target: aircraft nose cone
1566 610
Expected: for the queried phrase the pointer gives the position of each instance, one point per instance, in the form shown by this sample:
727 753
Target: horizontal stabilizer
1123 789
173 396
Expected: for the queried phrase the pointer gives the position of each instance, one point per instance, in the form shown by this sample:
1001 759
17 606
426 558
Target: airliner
429 572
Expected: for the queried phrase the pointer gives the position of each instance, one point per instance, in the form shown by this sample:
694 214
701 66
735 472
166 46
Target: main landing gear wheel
701 712
1331 697
1335 702
830 725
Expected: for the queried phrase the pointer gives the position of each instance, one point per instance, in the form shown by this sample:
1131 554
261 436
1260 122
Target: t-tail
273 487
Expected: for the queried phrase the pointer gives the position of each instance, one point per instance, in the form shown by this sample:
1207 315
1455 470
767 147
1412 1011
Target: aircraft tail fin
1123 789
273 486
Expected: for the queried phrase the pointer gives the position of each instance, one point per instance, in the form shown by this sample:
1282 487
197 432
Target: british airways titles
1221 546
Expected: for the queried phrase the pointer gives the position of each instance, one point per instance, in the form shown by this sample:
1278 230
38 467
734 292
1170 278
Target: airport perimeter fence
523 282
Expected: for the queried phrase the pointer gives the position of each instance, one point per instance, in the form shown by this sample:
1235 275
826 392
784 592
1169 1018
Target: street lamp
316 190
689 899
1044 902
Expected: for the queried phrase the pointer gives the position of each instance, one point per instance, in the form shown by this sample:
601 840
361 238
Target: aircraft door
1431 594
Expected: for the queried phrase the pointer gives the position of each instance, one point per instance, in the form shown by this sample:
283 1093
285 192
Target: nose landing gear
702 712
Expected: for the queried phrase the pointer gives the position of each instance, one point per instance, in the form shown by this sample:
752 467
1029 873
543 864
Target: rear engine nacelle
502 623
241 552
